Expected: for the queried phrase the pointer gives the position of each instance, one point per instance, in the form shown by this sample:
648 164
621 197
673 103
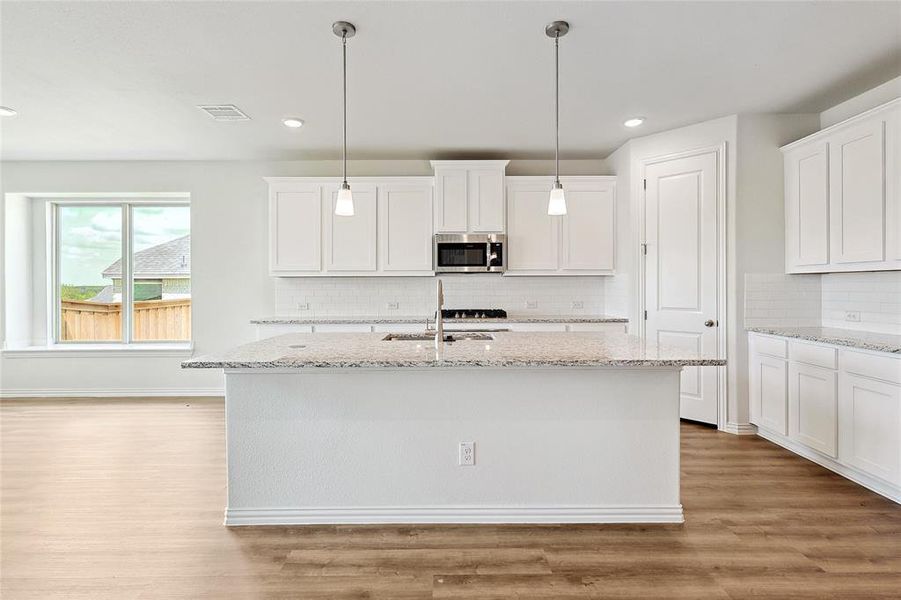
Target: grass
79 292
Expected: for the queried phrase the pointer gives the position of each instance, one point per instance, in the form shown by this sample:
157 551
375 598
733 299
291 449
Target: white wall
881 94
229 264
754 216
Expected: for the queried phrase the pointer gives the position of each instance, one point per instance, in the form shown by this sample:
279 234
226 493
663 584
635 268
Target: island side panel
552 445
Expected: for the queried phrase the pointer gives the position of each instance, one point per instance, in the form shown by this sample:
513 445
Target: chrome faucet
439 319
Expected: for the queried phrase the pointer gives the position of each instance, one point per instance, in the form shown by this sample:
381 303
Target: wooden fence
153 320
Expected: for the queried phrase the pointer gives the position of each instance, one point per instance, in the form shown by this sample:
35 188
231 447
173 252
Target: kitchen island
357 428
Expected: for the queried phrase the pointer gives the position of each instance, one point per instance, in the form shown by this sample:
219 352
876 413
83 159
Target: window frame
126 203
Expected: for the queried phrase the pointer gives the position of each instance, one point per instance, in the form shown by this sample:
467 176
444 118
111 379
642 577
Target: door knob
709 323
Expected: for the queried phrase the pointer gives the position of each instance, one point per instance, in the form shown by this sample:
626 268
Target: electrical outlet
531 304
393 305
578 305
467 454
852 315
303 306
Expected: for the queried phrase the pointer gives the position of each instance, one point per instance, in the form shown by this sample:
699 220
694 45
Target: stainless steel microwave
470 253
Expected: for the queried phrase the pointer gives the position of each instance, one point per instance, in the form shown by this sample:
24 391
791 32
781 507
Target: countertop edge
408 320
848 341
200 364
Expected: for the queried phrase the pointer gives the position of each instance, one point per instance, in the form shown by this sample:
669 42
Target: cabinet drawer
769 345
811 354
886 368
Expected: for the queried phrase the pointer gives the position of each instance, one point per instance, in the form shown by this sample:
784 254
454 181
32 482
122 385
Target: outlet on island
467 454
852 315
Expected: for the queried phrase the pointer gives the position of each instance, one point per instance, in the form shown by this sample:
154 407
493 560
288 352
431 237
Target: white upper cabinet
588 229
405 227
807 207
469 196
579 243
843 196
857 180
295 226
390 232
532 235
351 241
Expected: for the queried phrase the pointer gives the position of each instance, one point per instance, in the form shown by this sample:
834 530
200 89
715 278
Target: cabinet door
486 200
351 241
857 193
807 207
769 393
870 426
295 228
450 200
893 184
588 228
532 234
813 407
405 227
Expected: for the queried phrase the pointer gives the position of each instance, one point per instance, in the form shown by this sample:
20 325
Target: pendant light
556 205
344 205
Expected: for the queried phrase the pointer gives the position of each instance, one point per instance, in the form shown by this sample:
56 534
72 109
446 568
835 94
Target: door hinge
644 249
645 183
645 315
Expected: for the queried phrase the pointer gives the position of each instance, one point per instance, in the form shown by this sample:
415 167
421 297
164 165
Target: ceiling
121 80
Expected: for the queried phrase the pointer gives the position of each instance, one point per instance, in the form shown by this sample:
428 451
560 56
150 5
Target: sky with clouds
91 237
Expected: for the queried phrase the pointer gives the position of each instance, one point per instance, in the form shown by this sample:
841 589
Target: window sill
163 349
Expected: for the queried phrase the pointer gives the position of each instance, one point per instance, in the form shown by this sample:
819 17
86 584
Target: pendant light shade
344 204
556 204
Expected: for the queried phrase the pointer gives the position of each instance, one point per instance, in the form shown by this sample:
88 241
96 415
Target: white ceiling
121 80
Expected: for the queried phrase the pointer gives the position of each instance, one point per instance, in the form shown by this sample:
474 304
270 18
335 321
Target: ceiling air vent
224 112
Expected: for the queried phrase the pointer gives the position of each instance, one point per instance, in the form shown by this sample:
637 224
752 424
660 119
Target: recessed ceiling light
293 122
5 111
634 122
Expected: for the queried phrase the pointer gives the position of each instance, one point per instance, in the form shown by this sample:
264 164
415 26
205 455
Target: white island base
381 445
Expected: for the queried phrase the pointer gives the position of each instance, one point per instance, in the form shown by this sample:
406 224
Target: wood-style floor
123 499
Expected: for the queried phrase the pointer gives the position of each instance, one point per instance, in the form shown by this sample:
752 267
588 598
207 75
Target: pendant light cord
344 82
557 108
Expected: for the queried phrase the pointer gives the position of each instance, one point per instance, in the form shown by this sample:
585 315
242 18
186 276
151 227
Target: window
99 297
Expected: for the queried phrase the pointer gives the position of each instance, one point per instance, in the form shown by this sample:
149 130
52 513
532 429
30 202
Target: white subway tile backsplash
875 295
777 299
825 300
370 296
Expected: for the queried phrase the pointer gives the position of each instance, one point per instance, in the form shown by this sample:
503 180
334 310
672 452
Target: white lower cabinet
769 393
838 407
870 422
813 407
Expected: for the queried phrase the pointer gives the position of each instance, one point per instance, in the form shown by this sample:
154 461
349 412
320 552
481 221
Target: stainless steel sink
429 337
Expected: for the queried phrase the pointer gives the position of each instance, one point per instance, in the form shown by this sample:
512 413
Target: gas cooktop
473 313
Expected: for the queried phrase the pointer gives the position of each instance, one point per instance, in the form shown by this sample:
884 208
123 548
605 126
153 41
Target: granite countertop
507 349
865 340
422 319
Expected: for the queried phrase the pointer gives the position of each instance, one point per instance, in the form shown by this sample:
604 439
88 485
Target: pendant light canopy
344 205
556 205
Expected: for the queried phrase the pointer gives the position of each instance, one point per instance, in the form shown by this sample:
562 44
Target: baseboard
871 483
110 392
740 428
454 514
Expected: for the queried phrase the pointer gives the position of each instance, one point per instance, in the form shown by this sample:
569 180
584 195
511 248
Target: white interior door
681 270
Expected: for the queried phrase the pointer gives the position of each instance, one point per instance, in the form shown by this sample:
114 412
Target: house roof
170 259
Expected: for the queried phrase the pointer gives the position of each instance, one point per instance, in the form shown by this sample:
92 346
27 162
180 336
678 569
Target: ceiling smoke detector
224 112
